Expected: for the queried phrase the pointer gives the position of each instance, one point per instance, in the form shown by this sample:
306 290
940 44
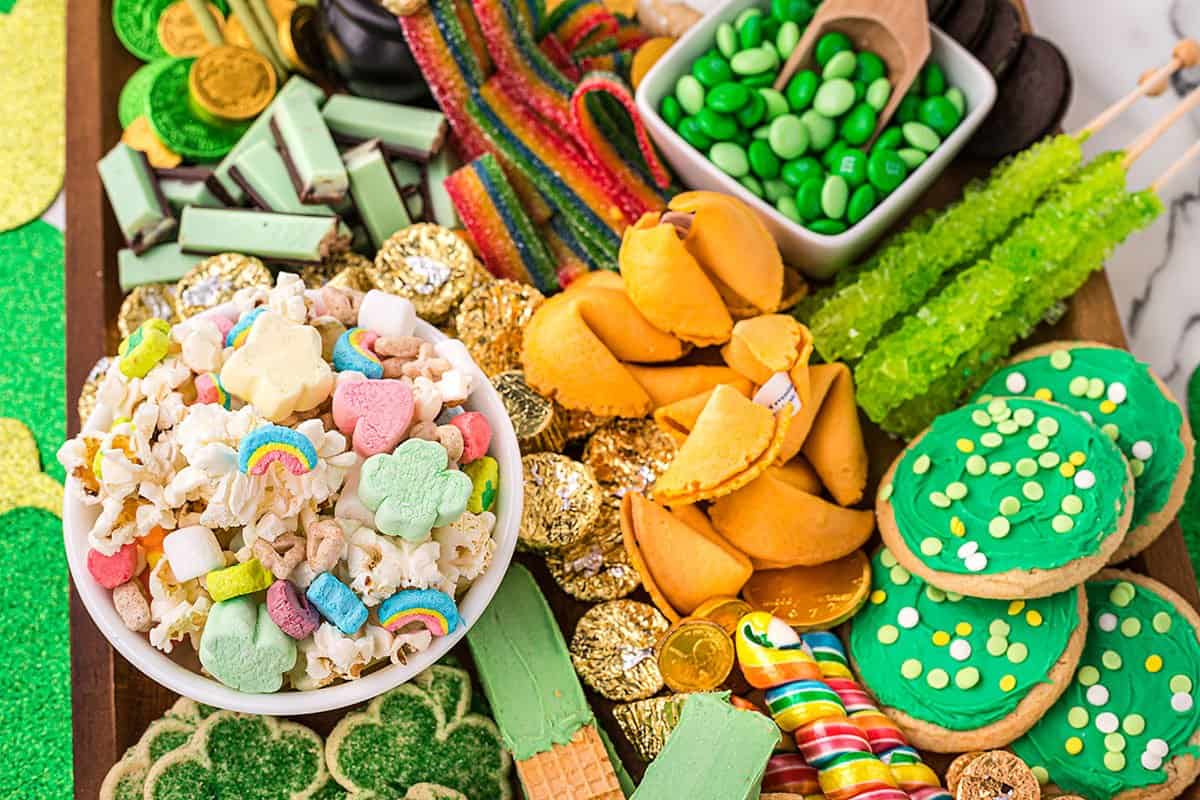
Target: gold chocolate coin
150 301
232 83
235 33
140 136
534 418
281 9
812 598
695 655
429 265
298 38
562 502
215 280
491 322
180 33
613 649
725 611
647 723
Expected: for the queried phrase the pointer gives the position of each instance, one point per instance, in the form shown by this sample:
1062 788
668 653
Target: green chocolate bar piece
441 207
375 192
404 131
407 173
312 158
189 186
525 669
716 752
160 264
289 238
142 212
261 173
260 131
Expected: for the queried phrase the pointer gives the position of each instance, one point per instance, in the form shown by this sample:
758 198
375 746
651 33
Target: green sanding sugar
1189 514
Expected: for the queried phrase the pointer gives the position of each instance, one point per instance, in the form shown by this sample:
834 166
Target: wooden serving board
112 701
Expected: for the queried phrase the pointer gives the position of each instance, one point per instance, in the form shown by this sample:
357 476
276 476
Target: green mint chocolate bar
263 176
289 238
260 131
408 175
441 207
191 186
375 192
312 158
142 212
404 131
162 263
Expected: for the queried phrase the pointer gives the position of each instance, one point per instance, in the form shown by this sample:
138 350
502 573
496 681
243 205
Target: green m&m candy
870 67
862 202
827 227
801 89
808 198
711 70
689 129
727 97
830 45
671 111
886 170
859 124
753 112
800 170
852 165
720 127
939 114
763 161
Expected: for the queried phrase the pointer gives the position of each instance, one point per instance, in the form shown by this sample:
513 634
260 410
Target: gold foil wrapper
613 649
577 423
533 416
491 323
648 723
628 455
86 403
695 655
351 272
215 280
429 265
562 501
150 301
597 568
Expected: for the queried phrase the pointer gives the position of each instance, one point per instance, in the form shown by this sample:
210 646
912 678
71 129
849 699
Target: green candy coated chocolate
808 198
730 158
835 195
727 41
745 15
689 129
827 227
801 90
789 137
671 111
787 206
761 80
859 124
957 99
921 136
132 102
852 165
776 103
690 94
770 28
136 24
908 108
753 111
719 127
711 70
834 98
798 11
763 161
177 125
787 38
821 130
750 32
752 185
886 170
933 80
870 67
939 114
799 170
753 61
830 45
776 188
830 157
878 93
912 157
890 139
841 65
862 202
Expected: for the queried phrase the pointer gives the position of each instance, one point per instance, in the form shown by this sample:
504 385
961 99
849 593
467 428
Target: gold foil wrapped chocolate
533 417
613 649
628 455
429 265
86 403
577 423
350 271
647 723
150 301
491 322
562 501
695 655
594 571
215 280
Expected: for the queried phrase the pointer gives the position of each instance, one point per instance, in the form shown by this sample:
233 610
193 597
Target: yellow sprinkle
1067 469
1074 745
878 597
966 445
1078 458
1008 683
1016 607
941 638
1044 394
957 527
1033 617
1153 663
963 629
1108 407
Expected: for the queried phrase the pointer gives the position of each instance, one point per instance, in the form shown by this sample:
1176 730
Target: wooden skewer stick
208 25
1151 84
1176 168
1143 142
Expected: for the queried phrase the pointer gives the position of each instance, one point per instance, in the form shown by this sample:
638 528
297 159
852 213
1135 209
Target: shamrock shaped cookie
126 779
411 491
419 734
241 756
279 369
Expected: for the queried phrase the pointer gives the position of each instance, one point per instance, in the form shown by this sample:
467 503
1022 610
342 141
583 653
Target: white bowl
136 648
817 255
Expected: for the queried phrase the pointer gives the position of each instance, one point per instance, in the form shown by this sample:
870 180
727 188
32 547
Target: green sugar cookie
1046 508
126 779
1008 660
243 756
420 733
1128 725
1127 401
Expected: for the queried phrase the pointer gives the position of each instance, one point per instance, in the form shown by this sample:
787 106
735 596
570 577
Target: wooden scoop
896 30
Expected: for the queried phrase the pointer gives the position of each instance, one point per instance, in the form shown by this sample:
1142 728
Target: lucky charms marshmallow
284 485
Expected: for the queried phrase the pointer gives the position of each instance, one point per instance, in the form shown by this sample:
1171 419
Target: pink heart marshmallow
375 413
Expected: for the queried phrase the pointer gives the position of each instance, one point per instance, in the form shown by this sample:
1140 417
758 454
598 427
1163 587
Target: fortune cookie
667 385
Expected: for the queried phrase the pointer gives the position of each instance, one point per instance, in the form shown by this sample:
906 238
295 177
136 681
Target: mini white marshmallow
387 314
192 552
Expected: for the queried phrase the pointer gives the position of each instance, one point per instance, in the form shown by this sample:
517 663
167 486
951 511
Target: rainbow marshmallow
210 390
238 333
433 609
270 443
352 351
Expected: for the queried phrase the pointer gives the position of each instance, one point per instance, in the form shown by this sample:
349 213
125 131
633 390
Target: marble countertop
1155 275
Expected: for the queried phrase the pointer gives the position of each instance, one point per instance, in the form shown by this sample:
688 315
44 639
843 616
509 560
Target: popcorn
329 654
466 547
378 566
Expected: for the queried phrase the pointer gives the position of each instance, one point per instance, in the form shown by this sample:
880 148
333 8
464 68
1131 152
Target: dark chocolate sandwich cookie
1031 103
999 48
969 22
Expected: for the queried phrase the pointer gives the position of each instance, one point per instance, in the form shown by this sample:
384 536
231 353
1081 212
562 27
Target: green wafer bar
407 132
263 176
190 186
142 212
375 192
285 238
312 158
162 263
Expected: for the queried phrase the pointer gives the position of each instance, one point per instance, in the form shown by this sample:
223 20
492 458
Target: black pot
365 47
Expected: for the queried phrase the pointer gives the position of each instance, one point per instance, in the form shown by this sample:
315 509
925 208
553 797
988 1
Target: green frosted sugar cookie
127 778
241 756
420 733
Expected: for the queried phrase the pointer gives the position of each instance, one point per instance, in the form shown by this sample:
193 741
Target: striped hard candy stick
887 741
790 773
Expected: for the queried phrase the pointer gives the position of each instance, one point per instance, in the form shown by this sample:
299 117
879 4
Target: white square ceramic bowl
816 255
182 679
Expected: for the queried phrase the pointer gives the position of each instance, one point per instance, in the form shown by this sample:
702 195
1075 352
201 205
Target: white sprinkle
1142 450
1085 479
1151 761
1097 695
1107 622
1086 416
976 562
1117 392
1107 722
960 649
1158 747
908 617
1015 382
1181 701
968 548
